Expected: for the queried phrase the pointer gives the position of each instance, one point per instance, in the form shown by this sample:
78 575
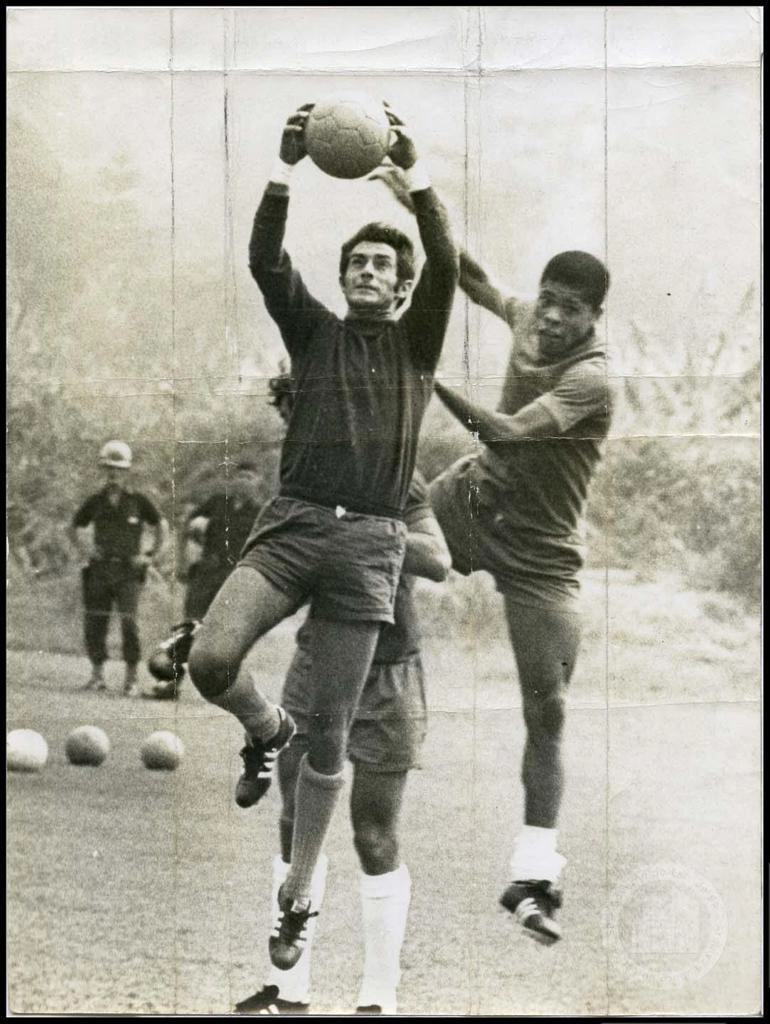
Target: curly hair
582 271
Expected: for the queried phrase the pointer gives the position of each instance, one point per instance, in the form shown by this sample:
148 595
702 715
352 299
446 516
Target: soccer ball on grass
87 745
162 751
25 751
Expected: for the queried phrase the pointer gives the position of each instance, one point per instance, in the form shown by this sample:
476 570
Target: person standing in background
215 532
116 565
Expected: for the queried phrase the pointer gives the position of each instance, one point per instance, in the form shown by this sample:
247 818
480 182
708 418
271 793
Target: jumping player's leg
288 991
341 655
545 643
246 607
375 806
294 984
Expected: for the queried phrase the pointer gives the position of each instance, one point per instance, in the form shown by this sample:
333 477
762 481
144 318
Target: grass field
131 891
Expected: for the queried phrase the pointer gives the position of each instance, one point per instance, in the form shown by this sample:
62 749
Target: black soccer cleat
287 940
167 662
370 1011
534 904
259 761
267 1001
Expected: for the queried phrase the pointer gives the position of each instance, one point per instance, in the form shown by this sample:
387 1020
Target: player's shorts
349 564
527 567
391 720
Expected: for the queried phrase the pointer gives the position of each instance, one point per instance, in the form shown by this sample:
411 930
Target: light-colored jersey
540 486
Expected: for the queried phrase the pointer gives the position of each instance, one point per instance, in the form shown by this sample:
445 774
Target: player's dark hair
582 271
388 235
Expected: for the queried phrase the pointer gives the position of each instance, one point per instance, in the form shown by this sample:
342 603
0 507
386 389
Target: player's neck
370 316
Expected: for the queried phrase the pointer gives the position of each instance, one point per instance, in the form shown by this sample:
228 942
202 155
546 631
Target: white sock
385 905
294 984
534 855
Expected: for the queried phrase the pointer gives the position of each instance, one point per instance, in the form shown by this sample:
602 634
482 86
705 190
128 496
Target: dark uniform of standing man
216 530
116 566
221 525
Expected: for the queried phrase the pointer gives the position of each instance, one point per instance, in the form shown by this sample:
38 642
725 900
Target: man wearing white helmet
115 562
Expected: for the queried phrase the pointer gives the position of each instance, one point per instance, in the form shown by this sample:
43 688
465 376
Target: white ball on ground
87 745
162 751
25 751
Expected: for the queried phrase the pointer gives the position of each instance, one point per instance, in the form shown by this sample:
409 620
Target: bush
681 504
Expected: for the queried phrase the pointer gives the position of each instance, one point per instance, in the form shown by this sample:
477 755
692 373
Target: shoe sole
542 937
275 1010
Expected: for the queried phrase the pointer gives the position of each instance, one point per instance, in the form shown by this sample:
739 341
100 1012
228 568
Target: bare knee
377 848
211 670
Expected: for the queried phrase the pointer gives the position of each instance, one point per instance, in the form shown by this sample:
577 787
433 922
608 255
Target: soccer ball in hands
347 137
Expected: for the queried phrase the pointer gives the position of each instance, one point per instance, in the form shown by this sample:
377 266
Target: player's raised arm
288 301
428 315
480 288
473 279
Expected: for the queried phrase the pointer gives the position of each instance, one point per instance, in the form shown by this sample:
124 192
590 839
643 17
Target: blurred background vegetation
679 487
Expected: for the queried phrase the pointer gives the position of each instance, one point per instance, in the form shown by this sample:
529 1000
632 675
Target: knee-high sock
314 803
294 984
385 906
534 855
258 716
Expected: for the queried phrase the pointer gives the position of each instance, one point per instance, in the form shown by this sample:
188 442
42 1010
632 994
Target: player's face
370 282
563 316
114 476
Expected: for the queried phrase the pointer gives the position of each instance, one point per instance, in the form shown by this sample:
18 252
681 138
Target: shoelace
526 909
263 759
291 925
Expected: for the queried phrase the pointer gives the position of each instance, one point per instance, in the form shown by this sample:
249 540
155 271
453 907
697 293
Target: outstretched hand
394 179
293 139
402 150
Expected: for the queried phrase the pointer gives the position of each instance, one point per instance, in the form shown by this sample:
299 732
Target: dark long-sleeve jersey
362 385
